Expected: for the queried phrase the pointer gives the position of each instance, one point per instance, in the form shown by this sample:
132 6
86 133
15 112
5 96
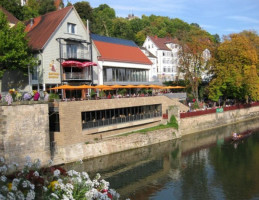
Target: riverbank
25 128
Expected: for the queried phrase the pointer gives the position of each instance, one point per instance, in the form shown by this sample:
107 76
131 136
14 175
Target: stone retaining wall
75 152
24 131
190 125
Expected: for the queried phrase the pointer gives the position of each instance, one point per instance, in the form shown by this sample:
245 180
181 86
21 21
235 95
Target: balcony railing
119 120
80 52
76 76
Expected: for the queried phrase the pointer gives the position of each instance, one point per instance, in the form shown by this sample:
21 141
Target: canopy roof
74 63
108 87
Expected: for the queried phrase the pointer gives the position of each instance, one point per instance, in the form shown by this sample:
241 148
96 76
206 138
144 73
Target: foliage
102 20
84 10
31 9
173 122
235 73
34 182
92 93
53 96
14 7
122 91
101 94
195 54
46 6
14 51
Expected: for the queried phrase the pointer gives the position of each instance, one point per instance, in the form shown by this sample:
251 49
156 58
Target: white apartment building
165 49
153 70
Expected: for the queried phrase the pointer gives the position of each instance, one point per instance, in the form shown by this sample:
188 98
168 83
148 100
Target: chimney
31 22
156 37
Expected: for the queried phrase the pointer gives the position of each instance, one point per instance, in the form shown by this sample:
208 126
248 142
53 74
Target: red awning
87 64
73 63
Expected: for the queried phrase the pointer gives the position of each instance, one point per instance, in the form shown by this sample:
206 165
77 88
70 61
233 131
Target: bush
173 122
53 96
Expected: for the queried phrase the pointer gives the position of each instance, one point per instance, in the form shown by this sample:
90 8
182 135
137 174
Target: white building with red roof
62 44
119 61
165 49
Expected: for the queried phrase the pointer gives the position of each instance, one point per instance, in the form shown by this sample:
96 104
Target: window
71 28
71 51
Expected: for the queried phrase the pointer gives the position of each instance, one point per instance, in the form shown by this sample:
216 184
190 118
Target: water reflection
200 166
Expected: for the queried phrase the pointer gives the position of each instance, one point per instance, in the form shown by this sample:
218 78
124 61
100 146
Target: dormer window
71 28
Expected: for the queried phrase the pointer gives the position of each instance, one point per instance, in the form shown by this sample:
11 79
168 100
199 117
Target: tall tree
103 16
84 10
121 28
194 56
46 6
14 7
14 50
235 71
31 9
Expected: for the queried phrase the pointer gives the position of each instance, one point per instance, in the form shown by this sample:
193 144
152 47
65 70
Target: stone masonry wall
24 130
190 125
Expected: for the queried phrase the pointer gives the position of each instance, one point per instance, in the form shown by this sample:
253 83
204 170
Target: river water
206 165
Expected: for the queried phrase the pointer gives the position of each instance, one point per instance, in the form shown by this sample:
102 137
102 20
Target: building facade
119 61
165 49
62 45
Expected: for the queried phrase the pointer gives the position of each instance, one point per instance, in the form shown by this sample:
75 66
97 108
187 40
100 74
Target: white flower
2 197
45 189
54 195
56 173
30 195
60 181
38 163
36 174
106 184
64 197
85 175
15 182
28 162
25 184
50 162
32 186
20 195
4 188
11 196
2 160
3 169
98 176
3 178
69 186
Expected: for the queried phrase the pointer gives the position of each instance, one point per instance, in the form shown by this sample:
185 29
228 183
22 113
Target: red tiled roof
44 26
121 53
10 18
161 42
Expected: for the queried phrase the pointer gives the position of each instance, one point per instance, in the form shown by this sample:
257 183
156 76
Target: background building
165 49
119 61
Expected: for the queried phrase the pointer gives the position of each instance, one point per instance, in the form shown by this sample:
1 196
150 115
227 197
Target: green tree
14 50
121 28
84 10
46 6
103 16
235 71
31 9
14 7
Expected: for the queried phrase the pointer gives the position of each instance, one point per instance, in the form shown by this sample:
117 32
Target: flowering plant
34 182
9 99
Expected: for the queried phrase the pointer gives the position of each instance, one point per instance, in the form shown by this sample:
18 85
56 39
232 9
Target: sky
220 17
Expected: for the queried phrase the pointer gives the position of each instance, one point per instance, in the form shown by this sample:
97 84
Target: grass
172 124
